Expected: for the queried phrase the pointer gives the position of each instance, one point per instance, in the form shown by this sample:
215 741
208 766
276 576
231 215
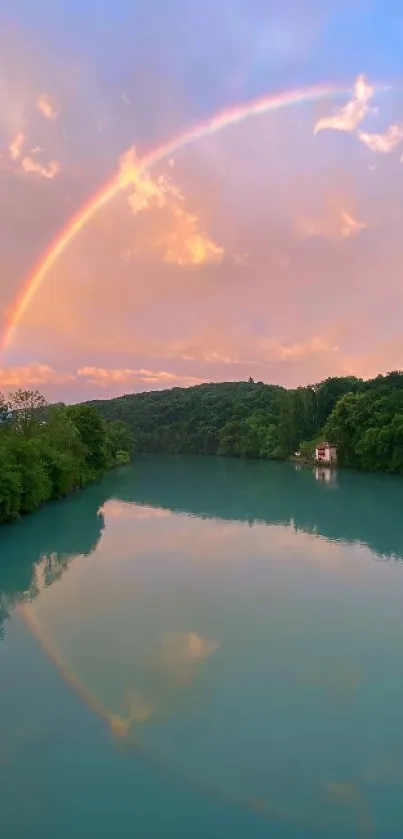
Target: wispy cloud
178 238
32 375
280 351
47 107
184 244
26 163
42 375
16 146
336 225
103 377
30 165
352 114
383 143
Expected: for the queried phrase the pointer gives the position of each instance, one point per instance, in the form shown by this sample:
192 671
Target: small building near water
325 453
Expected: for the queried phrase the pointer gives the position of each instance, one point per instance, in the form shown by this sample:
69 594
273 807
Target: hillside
363 418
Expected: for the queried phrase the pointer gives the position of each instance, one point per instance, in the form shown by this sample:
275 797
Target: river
202 647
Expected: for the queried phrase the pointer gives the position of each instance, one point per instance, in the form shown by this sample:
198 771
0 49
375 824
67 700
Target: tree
48 458
367 428
63 452
92 430
4 408
25 405
120 441
25 457
10 487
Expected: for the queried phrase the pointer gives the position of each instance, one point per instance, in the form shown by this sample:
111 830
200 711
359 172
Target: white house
325 453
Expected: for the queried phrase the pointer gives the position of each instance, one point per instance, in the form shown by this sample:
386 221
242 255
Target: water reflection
326 475
256 492
225 619
53 537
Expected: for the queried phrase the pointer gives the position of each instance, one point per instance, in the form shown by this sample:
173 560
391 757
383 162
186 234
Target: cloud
32 375
352 114
186 647
178 238
383 143
184 244
339 225
30 165
16 146
279 351
147 193
40 375
105 377
47 107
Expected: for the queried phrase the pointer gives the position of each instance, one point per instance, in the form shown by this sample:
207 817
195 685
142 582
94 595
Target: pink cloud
44 376
47 107
383 143
316 345
32 375
339 225
16 146
176 233
105 377
352 114
30 165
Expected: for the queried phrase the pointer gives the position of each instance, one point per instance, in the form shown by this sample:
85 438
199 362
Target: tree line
364 419
47 452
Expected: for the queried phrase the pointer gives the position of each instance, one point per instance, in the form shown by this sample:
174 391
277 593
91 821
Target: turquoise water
205 647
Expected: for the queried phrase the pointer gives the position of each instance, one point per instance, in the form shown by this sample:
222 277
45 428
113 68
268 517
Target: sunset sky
268 245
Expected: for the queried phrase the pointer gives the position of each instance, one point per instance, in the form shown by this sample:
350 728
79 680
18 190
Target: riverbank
311 461
43 460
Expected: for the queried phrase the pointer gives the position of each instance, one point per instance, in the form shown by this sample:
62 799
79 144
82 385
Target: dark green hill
364 419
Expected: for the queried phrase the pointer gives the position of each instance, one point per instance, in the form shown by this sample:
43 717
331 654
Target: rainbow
224 119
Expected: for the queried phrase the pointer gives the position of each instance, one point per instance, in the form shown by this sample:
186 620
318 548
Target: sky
267 245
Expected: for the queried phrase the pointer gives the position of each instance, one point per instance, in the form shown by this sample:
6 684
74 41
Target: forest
364 419
47 452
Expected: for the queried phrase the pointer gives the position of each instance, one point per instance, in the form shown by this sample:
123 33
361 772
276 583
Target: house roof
325 445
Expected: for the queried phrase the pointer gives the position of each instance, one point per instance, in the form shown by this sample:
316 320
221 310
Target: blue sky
217 51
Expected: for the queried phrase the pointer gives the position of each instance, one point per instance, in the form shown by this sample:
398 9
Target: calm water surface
201 647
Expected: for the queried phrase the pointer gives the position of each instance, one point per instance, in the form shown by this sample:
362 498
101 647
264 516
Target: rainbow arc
225 119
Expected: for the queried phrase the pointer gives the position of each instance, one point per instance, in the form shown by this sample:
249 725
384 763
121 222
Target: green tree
25 457
4 408
92 430
10 485
25 405
63 452
120 441
367 427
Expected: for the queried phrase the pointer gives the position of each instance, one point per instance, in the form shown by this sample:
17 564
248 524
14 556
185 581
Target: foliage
368 429
92 431
41 459
120 442
229 418
249 419
24 405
